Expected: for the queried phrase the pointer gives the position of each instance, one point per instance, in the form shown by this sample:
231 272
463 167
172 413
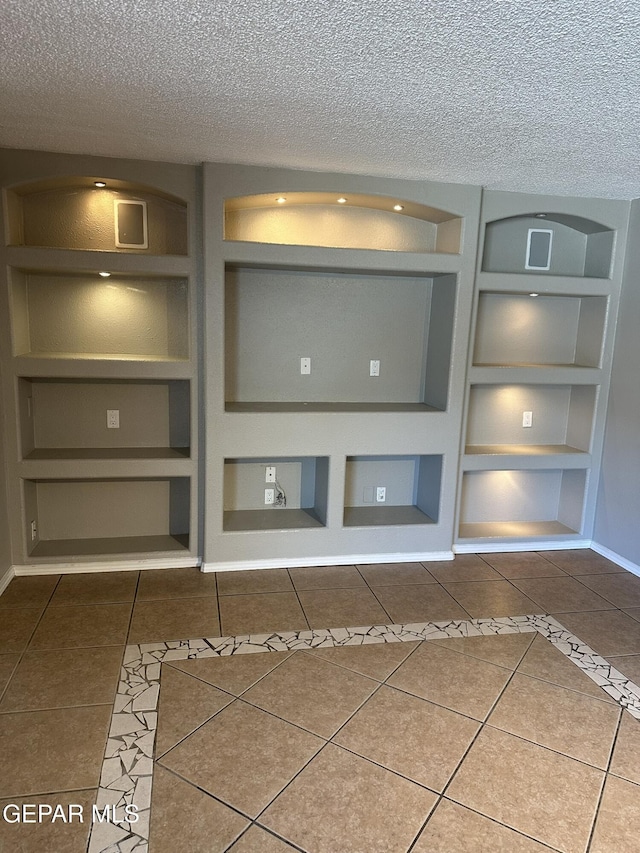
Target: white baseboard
6 578
525 545
616 558
110 566
342 560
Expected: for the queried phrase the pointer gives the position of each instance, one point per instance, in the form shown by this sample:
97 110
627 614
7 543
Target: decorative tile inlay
127 770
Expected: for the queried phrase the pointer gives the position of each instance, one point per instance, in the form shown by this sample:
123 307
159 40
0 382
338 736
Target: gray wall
618 507
5 545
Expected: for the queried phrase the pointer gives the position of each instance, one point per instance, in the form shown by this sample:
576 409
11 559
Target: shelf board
103 356
519 449
256 408
534 365
80 453
514 530
109 546
381 516
242 520
48 258
543 283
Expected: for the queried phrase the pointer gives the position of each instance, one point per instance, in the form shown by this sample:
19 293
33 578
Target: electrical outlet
113 418
527 419
34 531
270 474
381 494
305 366
374 367
269 496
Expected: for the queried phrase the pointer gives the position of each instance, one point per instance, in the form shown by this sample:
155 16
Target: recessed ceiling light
104 274
281 199
342 200
99 184
534 294
398 207
541 215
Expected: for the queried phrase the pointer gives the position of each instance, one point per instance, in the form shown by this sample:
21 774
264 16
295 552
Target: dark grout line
604 782
304 612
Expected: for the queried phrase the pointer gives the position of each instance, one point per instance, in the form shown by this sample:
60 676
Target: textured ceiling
535 95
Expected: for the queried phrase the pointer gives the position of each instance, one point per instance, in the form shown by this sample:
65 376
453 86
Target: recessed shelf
91 517
516 330
359 222
280 408
72 213
578 246
412 490
66 315
341 321
66 419
562 419
303 481
514 501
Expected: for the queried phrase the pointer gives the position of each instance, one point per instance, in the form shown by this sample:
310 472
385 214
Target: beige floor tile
484 599
16 628
563 720
465 567
257 840
426 747
582 561
618 825
377 660
185 703
554 801
626 755
63 678
622 590
312 693
175 583
523 564
29 591
454 829
59 750
502 649
261 613
56 836
341 802
254 581
82 625
96 588
342 608
7 666
386 574
425 603
326 577
232 673
561 594
243 756
174 619
544 661
186 819
628 665
608 632
448 678
634 612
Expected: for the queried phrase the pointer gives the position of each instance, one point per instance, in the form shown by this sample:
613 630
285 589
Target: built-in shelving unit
547 291
99 360
337 315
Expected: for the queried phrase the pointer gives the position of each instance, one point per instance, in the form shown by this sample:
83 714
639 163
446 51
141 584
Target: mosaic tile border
127 769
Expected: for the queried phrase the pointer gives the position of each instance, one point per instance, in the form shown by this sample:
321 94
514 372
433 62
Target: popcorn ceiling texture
510 94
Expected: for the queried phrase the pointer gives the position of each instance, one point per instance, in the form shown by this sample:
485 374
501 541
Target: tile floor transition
455 721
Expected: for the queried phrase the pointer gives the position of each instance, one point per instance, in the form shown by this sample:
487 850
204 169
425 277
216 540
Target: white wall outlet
374 367
34 531
269 496
113 418
270 474
381 494
527 419
305 366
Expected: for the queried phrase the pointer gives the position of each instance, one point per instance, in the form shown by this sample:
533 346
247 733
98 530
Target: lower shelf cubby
411 490
69 518
522 503
300 492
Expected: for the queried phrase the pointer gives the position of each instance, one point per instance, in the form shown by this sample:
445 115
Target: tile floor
497 743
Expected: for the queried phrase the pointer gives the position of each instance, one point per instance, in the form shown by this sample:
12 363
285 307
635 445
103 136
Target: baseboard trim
6 578
111 566
524 545
616 558
341 560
